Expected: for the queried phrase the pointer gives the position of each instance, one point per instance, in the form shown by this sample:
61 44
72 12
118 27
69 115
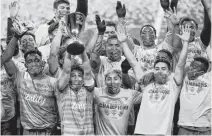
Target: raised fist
120 10
101 26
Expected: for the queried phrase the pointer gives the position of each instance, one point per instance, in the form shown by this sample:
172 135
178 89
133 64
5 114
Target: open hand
14 9
172 15
185 33
120 10
101 26
121 34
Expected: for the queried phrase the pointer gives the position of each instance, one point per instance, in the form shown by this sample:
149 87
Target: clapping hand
185 33
120 10
101 26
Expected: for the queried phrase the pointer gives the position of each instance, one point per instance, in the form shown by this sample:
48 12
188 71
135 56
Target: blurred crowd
144 68
40 12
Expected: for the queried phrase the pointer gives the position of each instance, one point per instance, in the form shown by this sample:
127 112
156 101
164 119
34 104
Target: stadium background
139 13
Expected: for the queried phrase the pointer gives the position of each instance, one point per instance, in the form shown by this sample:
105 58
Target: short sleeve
137 96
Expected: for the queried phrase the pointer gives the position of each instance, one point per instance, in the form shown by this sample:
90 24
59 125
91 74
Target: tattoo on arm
98 48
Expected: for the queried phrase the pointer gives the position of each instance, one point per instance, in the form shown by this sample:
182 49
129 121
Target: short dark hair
35 50
31 34
114 36
164 61
78 68
147 26
183 19
57 2
204 62
167 52
111 24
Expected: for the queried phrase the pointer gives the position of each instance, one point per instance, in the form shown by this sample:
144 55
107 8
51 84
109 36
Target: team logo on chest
114 108
157 95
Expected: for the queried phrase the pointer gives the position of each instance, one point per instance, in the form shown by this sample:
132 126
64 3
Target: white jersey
104 66
157 109
113 111
42 35
146 57
195 102
196 48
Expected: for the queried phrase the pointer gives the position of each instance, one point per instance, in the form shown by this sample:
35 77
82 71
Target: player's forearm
183 55
64 78
177 43
91 42
82 6
95 55
56 43
8 53
86 64
9 32
206 31
132 61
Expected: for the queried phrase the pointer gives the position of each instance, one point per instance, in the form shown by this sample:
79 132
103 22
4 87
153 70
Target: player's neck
37 76
112 93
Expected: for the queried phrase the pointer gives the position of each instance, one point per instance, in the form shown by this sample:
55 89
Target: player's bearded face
194 70
161 73
34 64
76 80
62 10
27 43
113 83
160 77
148 36
113 50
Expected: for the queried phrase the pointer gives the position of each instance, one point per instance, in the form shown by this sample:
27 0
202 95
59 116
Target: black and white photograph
105 67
